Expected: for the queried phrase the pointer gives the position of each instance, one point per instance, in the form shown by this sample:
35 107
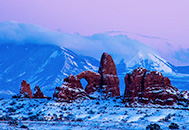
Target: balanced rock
38 93
25 89
109 78
149 87
70 90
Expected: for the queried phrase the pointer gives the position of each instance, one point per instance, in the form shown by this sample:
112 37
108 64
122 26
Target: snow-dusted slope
150 61
43 65
109 114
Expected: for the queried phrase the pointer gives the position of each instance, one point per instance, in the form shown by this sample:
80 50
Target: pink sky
167 19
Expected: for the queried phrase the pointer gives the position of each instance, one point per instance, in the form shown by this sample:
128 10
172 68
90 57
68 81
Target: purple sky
165 19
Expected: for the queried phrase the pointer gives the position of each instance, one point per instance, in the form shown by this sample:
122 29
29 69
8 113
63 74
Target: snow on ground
87 114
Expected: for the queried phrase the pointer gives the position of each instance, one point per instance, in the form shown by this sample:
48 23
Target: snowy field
87 114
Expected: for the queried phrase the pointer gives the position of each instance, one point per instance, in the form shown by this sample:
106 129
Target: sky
162 25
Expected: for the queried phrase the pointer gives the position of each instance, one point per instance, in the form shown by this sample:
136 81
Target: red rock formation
149 87
134 85
38 93
106 82
93 79
107 65
109 78
158 90
70 90
25 88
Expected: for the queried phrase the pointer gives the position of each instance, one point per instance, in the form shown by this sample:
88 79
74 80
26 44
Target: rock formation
106 82
149 87
25 89
38 93
109 78
70 90
93 79
134 85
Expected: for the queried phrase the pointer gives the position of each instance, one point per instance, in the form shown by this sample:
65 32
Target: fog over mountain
120 46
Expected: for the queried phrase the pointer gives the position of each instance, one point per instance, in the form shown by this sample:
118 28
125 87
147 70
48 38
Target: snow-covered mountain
43 65
150 61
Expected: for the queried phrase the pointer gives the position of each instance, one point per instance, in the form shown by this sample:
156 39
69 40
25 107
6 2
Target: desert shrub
153 127
23 127
173 126
13 122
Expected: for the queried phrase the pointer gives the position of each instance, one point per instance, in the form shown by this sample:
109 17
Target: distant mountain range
47 66
43 65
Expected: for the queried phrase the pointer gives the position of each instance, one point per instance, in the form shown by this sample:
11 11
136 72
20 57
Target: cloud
119 46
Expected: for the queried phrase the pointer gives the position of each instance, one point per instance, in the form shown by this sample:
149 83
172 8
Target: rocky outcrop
70 90
149 87
105 82
158 90
109 78
134 85
25 89
38 93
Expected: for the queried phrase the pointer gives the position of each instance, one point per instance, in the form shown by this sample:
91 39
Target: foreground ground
87 114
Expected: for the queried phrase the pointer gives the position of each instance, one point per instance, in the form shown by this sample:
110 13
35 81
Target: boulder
25 89
149 87
109 78
38 93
